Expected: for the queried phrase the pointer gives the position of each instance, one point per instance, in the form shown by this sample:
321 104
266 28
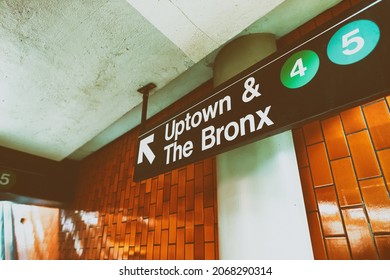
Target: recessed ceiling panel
199 27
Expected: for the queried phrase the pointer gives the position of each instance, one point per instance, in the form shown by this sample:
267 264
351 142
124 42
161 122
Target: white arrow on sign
144 149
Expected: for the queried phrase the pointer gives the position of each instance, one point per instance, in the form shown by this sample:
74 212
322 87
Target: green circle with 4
299 69
353 42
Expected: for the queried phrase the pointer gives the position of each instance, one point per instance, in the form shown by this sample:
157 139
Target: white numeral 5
349 39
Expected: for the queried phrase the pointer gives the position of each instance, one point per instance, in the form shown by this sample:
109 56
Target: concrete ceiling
70 70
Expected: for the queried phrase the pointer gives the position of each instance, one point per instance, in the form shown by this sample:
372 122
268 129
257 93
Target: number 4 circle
299 69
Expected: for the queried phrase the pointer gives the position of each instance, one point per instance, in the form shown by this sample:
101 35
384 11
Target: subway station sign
340 65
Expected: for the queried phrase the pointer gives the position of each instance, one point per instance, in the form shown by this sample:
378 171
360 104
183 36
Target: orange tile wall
171 216
344 165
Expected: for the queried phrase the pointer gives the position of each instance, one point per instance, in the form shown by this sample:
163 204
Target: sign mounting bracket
145 92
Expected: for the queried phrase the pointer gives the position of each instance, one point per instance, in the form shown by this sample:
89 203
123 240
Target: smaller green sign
7 179
299 69
353 42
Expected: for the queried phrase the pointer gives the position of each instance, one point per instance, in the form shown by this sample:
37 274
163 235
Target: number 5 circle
299 69
7 179
353 42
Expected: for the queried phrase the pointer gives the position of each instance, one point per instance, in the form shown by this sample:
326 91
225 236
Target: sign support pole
145 92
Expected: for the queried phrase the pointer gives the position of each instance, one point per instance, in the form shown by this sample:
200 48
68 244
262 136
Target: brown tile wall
171 216
344 164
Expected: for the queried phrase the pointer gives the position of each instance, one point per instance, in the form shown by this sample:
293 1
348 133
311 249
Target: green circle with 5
7 179
299 69
353 42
